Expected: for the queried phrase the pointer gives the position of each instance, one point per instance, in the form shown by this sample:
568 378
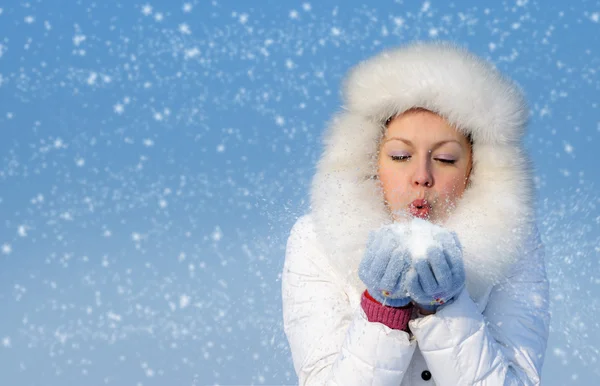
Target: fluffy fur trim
495 214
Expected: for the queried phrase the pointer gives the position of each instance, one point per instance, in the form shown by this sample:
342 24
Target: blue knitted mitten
384 265
437 271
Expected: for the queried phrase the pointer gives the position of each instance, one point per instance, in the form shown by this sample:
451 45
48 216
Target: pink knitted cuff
396 318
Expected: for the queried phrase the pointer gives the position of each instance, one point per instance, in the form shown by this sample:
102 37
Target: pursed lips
420 208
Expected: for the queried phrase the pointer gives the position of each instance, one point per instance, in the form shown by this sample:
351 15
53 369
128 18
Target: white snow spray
420 236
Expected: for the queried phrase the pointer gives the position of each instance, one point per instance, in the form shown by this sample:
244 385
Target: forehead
422 124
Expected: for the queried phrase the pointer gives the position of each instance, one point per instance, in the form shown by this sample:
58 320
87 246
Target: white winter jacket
500 341
496 331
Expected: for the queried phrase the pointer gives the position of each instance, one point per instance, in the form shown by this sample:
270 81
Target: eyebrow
435 145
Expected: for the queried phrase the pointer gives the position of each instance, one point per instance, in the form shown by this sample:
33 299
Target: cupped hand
384 265
437 276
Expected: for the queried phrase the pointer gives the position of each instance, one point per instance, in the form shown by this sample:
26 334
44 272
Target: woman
426 154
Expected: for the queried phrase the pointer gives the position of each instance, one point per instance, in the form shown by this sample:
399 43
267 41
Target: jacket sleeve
332 343
503 346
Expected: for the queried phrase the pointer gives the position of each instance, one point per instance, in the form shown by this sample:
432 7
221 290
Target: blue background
155 155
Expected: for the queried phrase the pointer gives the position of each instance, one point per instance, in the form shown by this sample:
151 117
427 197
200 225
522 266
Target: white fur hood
496 213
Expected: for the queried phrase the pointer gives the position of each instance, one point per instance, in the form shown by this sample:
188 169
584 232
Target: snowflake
184 301
6 248
184 29
398 21
22 230
92 78
147 10
191 53
569 148
113 316
217 234
78 39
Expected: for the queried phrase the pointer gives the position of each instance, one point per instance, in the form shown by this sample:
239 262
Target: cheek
452 187
391 183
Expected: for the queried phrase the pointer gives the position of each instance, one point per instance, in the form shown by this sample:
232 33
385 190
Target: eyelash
401 158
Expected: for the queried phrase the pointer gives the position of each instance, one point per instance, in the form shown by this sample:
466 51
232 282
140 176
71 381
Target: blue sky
156 154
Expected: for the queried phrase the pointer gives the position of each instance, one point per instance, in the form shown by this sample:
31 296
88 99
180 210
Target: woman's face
424 165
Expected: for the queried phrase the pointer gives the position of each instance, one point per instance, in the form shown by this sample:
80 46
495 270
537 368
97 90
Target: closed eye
401 158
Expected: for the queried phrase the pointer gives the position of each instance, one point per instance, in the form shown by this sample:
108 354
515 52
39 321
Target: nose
422 176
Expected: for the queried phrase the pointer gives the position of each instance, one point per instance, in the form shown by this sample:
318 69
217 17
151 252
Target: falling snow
185 29
6 249
156 155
